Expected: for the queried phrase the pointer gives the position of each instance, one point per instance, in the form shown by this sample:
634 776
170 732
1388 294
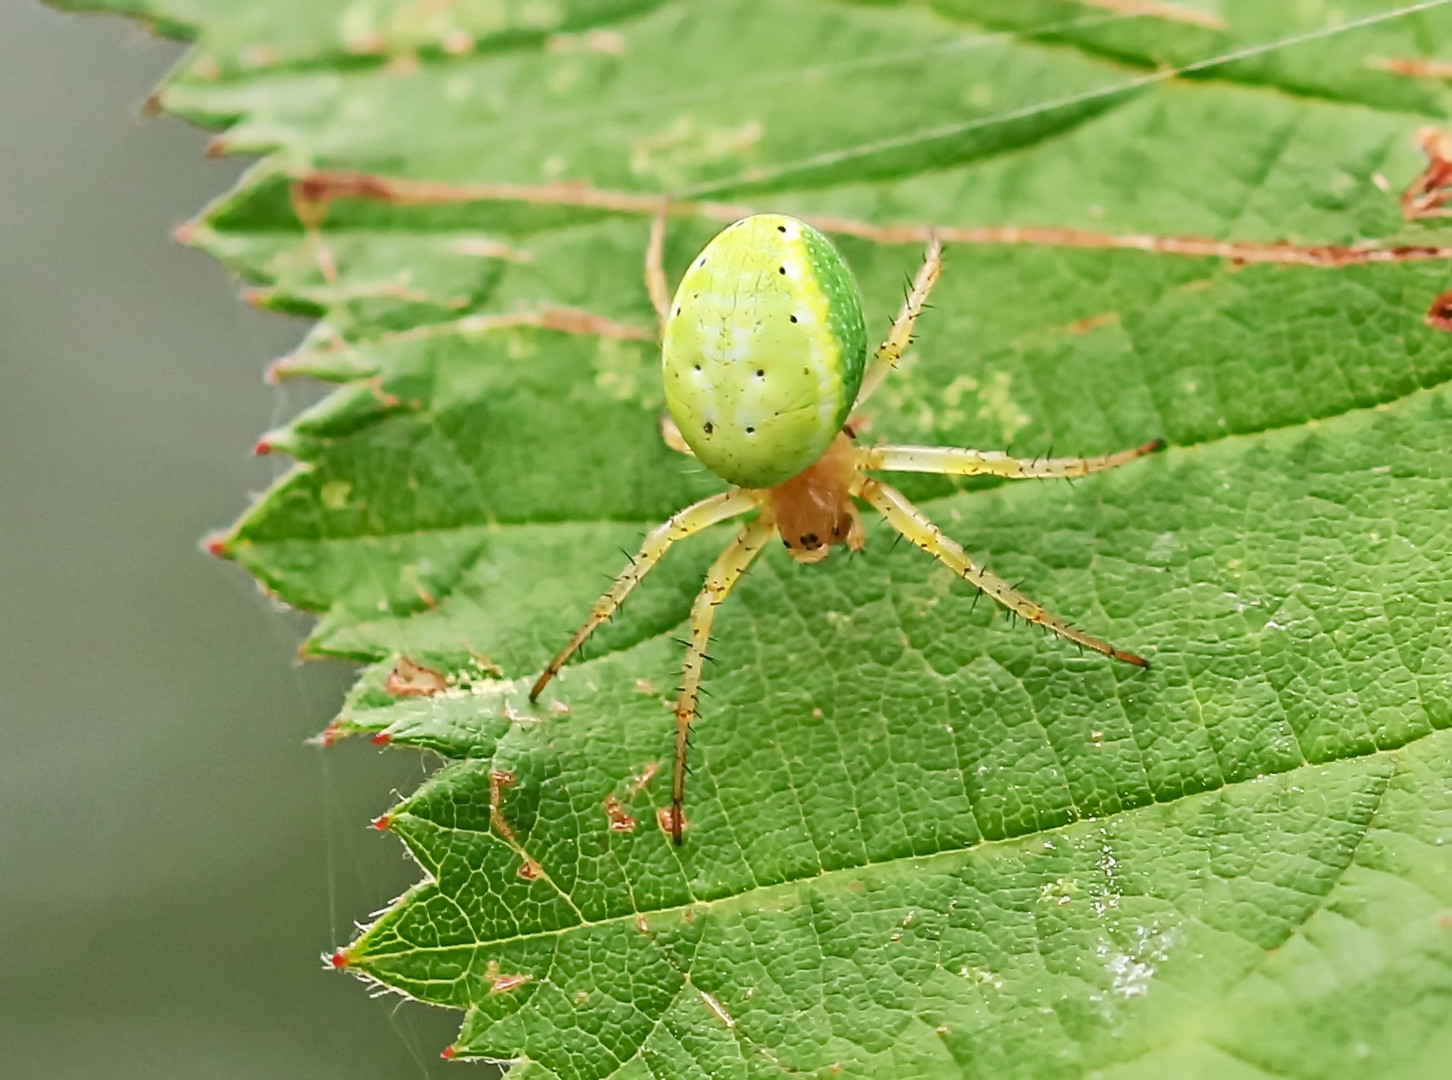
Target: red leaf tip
329 735
261 447
381 739
381 822
447 1053
216 545
338 960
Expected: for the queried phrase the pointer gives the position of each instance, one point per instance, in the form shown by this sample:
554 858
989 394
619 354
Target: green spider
764 354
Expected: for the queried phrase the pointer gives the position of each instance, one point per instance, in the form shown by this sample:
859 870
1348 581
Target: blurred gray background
173 859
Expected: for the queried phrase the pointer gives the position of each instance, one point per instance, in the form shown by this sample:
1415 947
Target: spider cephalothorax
764 358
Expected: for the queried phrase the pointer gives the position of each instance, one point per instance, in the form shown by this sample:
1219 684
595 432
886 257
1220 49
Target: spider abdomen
763 350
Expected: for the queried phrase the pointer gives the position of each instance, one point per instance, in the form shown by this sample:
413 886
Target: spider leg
685 523
914 524
898 337
672 436
655 278
952 461
725 572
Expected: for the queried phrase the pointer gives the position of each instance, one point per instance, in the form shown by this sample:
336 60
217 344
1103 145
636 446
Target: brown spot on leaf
1413 67
500 983
1157 9
386 398
607 42
1427 194
618 819
410 679
483 663
1093 322
499 779
258 56
457 43
1439 315
404 64
642 778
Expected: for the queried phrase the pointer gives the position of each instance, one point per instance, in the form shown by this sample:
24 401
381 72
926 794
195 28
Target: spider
764 355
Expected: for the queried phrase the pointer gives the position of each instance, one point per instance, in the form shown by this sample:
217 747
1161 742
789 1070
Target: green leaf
923 842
